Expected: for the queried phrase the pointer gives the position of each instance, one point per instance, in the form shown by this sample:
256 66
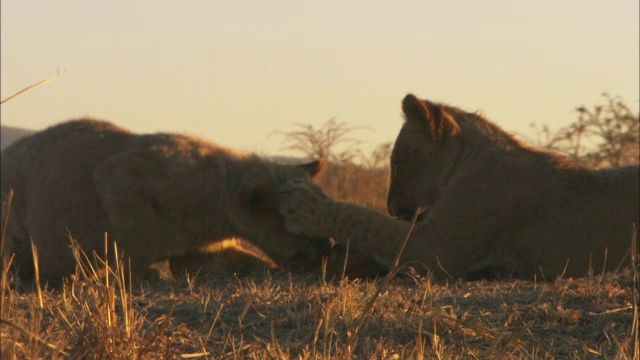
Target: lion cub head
423 156
257 219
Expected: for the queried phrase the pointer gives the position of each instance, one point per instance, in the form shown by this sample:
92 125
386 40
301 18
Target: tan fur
158 196
231 256
236 256
494 206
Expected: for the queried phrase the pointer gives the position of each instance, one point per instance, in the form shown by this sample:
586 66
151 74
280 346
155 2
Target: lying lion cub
159 196
493 205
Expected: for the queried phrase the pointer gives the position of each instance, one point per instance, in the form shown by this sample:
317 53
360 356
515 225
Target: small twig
31 87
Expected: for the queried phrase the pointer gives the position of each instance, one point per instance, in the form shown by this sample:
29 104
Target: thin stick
31 87
392 273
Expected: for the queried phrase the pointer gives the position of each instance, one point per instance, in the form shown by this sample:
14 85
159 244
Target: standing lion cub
493 205
158 196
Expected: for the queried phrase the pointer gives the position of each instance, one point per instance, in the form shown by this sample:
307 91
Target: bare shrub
324 141
601 137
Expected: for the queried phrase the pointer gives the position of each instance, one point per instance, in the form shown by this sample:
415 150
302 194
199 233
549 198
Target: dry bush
602 137
323 142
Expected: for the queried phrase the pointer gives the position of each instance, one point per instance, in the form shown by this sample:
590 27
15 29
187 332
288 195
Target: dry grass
279 315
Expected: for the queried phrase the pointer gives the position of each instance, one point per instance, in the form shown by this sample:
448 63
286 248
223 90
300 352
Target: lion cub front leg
308 211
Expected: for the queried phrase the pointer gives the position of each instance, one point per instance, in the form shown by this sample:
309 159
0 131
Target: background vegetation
606 135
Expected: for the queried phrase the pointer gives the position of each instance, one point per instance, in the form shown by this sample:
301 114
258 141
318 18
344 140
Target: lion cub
492 206
159 196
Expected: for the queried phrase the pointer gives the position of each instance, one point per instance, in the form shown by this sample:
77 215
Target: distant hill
9 134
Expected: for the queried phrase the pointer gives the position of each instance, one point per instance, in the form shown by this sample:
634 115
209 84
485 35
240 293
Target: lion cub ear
441 124
314 168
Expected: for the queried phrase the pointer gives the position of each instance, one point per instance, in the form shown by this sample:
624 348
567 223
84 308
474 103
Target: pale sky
235 71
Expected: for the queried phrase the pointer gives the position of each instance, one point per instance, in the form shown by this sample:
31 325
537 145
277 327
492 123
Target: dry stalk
6 209
160 330
36 268
346 259
5 259
392 273
31 87
635 295
125 297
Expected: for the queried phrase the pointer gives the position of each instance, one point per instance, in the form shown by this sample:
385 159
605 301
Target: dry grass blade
36 268
33 336
406 239
512 339
125 297
86 266
194 355
487 332
160 330
634 337
6 209
346 259
392 273
5 259
31 87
